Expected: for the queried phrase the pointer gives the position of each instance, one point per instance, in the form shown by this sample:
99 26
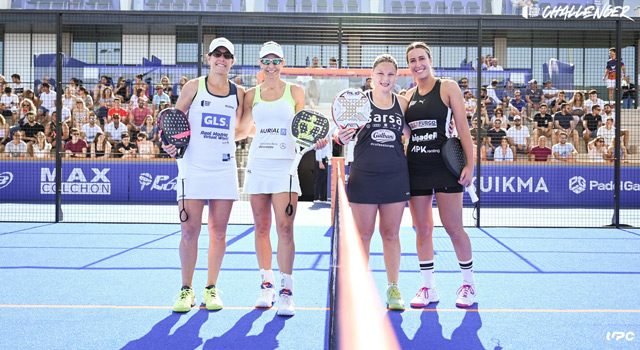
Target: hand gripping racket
455 160
351 109
307 127
174 129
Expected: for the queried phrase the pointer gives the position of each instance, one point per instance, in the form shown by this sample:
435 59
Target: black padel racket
350 110
455 161
174 129
307 127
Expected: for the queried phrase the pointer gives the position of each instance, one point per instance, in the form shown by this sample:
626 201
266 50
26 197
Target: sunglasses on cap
267 61
227 55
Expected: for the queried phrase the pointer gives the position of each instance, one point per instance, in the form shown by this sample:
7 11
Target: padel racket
174 129
455 161
307 127
351 110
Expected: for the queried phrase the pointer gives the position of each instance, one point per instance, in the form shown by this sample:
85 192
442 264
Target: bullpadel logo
5 179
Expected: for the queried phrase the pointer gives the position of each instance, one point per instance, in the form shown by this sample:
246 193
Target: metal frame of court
344 31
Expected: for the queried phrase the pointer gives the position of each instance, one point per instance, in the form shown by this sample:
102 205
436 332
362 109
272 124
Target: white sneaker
267 296
424 297
466 294
285 303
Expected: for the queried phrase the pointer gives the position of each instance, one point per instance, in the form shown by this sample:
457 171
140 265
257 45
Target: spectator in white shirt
519 137
495 66
48 101
91 129
550 93
114 130
593 100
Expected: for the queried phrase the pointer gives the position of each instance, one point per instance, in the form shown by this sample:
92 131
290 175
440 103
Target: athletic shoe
186 300
267 296
466 294
394 298
424 297
212 299
285 303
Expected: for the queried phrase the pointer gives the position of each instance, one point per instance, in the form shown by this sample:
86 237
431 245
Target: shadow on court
238 336
429 334
185 337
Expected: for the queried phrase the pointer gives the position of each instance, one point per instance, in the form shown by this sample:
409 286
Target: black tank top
379 143
429 118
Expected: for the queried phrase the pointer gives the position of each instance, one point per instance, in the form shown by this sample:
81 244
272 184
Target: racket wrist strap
337 139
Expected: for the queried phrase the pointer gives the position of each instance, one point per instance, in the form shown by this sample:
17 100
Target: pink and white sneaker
424 297
466 294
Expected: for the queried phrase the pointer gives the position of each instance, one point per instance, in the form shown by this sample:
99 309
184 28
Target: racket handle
180 163
294 166
471 190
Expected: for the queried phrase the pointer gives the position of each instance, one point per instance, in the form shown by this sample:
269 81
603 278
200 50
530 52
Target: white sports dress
272 150
209 166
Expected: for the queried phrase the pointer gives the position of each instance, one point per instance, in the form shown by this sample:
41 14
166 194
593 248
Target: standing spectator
563 151
593 100
507 95
610 72
77 147
628 92
533 95
491 92
122 90
494 136
540 153
315 63
487 101
126 148
543 124
100 147
146 148
16 148
40 148
591 122
564 123
9 103
597 150
31 128
550 93
138 115
91 129
517 105
470 104
80 114
160 95
114 130
18 87
367 85
323 156
504 152
519 137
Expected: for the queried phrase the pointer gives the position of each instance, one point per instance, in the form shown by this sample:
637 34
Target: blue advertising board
524 184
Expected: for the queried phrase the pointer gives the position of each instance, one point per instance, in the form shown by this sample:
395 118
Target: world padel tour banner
130 181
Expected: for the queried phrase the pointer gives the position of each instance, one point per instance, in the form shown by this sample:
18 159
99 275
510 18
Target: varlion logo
383 135
577 184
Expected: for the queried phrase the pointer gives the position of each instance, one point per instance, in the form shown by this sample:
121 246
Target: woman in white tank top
272 105
210 172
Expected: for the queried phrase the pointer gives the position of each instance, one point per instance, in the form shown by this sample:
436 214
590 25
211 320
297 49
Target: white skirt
210 184
266 176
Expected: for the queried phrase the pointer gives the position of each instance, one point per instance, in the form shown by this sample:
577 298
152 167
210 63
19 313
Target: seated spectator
494 65
48 102
66 114
591 122
519 137
608 131
76 147
507 95
122 90
91 129
541 152
464 85
146 148
485 121
315 63
74 84
17 85
597 150
50 131
494 136
488 102
483 64
550 93
163 105
100 147
117 108
577 107
136 98
563 151
125 148
138 115
611 157
140 84
31 129
593 100
499 114
150 128
504 152
166 87
555 105
517 105
491 92
160 95
26 106
84 95
80 114
69 98
333 63
368 85
16 148
184 80
102 87
114 130
105 104
563 122
609 113
4 133
543 124
40 148
474 132
533 96
469 104
9 103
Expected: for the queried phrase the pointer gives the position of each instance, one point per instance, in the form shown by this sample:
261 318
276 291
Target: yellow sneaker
186 300
394 298
212 299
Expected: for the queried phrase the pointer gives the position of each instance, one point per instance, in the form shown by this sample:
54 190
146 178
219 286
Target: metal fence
116 53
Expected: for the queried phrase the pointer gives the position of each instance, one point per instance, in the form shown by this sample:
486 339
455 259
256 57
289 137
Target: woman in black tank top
378 176
434 105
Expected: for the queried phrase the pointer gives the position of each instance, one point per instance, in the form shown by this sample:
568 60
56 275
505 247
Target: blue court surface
111 286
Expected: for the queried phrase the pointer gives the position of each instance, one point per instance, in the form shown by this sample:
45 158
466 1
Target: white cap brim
221 42
271 49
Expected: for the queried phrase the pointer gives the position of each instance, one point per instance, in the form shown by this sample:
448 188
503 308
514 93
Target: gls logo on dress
217 121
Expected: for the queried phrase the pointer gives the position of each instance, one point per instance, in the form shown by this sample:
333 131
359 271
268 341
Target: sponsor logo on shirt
423 124
425 138
205 103
232 107
424 149
383 136
274 131
217 121
226 157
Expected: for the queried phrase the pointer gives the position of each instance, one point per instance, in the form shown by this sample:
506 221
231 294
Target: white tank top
213 122
273 138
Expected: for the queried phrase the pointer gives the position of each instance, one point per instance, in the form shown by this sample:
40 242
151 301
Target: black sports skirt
373 187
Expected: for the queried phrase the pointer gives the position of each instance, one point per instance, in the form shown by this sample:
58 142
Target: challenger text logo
577 184
157 183
76 182
577 11
5 179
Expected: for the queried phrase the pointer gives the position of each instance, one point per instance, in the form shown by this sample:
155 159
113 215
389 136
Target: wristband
337 139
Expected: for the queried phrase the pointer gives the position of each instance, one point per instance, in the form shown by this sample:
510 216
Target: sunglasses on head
267 61
227 55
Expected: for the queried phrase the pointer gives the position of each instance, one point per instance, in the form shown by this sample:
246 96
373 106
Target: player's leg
422 215
219 212
390 218
189 251
450 210
261 208
364 216
286 249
